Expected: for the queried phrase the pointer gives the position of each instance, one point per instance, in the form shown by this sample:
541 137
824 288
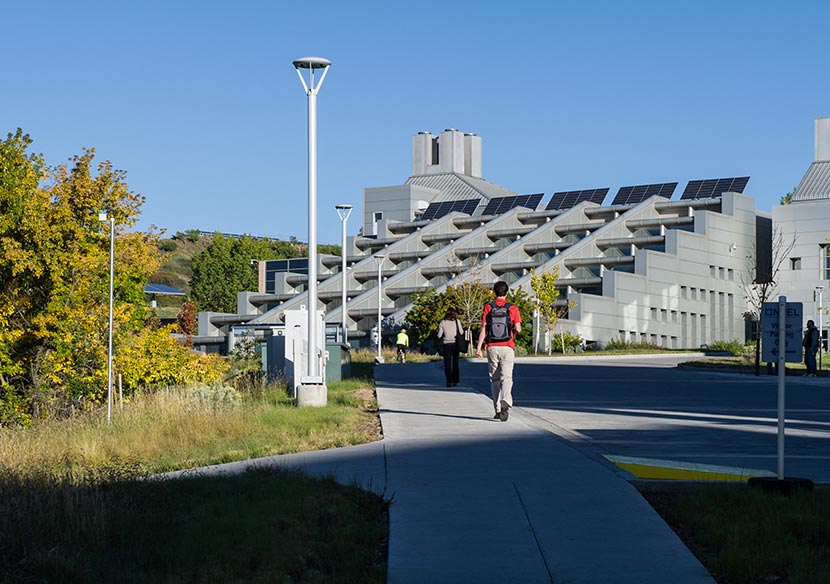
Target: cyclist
402 342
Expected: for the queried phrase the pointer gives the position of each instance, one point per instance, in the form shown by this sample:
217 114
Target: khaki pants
500 365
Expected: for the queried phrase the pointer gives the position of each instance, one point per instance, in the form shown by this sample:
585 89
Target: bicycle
401 354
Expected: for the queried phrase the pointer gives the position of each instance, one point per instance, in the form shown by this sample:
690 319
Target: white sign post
781 341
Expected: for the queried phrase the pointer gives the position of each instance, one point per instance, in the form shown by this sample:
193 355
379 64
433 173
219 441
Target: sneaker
497 416
503 415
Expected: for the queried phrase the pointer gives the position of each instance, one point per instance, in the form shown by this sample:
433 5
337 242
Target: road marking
654 468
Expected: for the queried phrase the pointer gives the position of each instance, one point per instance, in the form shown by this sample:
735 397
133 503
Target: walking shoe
497 416
503 415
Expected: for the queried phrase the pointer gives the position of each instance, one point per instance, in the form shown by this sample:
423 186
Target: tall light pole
313 374
344 211
103 217
820 292
380 259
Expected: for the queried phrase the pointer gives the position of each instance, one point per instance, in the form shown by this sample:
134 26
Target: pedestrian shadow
475 418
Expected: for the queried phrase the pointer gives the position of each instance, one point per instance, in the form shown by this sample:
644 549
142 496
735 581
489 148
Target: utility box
339 362
296 346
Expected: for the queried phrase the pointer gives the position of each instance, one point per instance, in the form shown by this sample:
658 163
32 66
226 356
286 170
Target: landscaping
745 535
75 505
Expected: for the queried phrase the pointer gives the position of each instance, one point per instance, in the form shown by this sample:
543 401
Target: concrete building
803 227
638 267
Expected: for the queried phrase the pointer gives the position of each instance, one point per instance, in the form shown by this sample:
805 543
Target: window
795 263
684 292
825 262
377 216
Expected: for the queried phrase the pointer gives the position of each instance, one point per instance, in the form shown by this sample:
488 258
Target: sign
771 345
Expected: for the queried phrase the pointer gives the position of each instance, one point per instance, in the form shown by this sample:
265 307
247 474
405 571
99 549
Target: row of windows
721 273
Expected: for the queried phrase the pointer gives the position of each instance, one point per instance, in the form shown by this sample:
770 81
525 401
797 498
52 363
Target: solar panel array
639 193
568 199
714 187
499 205
438 210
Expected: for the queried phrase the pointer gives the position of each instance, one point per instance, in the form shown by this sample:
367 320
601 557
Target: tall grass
72 511
747 535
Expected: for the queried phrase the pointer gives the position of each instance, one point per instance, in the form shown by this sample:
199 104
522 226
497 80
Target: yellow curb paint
650 468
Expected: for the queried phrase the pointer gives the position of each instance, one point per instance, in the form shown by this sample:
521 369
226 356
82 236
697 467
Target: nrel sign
771 344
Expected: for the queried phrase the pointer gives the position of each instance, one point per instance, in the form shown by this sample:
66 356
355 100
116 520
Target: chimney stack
822 139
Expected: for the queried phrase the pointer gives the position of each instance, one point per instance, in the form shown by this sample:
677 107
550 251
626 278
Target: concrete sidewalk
479 500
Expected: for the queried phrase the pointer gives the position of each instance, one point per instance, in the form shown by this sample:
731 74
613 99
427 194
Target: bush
213 398
573 343
734 347
168 245
621 345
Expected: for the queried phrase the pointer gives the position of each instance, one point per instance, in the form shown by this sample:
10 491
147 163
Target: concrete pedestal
312 394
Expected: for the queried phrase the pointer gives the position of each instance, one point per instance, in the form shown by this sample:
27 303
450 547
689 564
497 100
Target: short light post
312 387
380 259
103 217
344 211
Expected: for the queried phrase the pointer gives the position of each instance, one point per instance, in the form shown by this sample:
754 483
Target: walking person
448 331
500 321
810 344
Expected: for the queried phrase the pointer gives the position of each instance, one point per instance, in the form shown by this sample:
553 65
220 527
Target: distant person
402 343
810 344
500 321
448 330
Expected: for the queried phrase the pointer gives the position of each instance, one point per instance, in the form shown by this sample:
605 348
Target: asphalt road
647 407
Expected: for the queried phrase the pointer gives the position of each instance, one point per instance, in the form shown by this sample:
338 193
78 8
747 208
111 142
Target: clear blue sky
199 103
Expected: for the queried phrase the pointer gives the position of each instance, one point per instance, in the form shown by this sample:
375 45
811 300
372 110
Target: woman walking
448 330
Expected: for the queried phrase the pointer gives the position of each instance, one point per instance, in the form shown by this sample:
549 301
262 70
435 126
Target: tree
759 280
428 308
226 267
468 299
186 319
54 256
54 287
547 294
787 199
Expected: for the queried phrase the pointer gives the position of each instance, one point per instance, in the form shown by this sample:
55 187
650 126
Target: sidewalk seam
533 531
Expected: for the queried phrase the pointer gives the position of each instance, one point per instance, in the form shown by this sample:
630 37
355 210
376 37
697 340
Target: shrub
168 245
621 345
734 347
573 343
215 397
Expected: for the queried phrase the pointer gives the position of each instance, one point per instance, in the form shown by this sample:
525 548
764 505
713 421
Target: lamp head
311 63
343 211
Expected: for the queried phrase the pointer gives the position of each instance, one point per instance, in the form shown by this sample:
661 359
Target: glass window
825 262
795 263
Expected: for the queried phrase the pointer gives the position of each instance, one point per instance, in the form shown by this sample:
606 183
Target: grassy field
73 506
749 536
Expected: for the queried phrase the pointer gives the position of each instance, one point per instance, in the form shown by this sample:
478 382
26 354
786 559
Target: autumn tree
547 294
54 279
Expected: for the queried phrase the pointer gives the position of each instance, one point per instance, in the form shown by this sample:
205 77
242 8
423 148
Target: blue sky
199 102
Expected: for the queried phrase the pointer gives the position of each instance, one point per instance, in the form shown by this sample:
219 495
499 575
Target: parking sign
771 345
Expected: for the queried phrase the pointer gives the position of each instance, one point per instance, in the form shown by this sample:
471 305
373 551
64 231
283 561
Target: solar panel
714 187
438 210
499 205
162 289
639 193
568 199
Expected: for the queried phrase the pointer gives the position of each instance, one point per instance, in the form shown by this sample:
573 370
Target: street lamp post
344 211
313 385
103 217
820 291
380 259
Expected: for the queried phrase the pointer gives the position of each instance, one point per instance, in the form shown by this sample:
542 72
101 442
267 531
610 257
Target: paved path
479 500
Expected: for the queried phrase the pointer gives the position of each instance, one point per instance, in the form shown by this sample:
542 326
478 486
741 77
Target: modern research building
659 263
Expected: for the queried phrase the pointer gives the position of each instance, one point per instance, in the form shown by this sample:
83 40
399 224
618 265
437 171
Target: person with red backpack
500 321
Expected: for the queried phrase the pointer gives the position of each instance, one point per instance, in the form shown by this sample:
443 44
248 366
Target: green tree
428 308
468 300
524 303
